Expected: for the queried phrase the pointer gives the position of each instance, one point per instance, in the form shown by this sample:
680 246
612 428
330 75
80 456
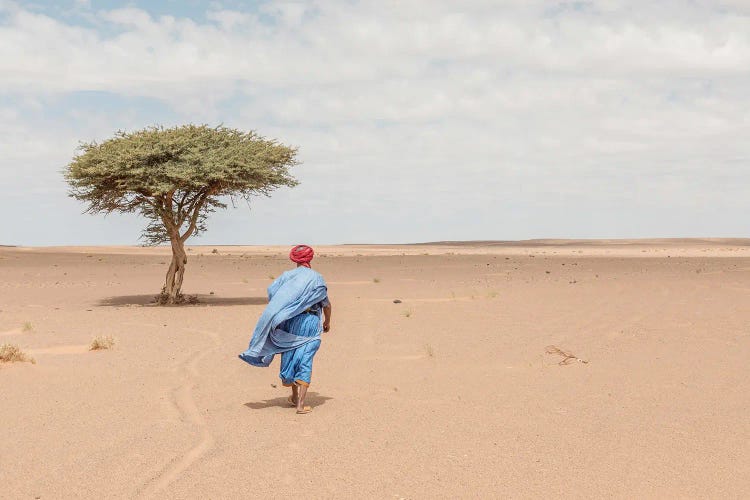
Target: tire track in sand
185 404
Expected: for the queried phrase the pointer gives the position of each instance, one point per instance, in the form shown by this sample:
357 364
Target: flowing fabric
296 365
291 294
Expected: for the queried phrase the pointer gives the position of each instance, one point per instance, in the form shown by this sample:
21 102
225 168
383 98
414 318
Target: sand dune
449 393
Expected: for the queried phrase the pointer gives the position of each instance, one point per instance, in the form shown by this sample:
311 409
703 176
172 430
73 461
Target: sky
422 120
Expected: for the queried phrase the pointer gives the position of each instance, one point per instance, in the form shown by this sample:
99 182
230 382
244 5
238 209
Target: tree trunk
171 293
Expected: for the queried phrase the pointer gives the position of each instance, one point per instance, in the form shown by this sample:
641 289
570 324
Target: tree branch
191 205
169 205
181 204
197 206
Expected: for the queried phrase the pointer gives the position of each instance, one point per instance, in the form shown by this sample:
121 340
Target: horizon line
742 241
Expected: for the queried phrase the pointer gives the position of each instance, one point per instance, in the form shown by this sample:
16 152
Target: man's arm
327 317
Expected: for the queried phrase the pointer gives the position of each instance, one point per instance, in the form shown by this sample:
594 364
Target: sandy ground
448 394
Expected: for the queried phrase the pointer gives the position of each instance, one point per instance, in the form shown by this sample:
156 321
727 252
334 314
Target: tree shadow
203 300
312 399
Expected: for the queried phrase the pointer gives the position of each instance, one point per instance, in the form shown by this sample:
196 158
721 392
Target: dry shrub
11 353
567 356
101 342
163 299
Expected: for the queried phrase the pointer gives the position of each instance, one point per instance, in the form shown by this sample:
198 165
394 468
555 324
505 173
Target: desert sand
449 394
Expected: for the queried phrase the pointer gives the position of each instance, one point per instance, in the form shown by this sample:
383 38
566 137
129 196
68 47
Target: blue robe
292 293
296 365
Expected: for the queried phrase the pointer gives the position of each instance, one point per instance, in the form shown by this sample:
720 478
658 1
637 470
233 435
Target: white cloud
341 42
480 105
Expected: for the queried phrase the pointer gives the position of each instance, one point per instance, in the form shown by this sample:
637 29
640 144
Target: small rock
396 301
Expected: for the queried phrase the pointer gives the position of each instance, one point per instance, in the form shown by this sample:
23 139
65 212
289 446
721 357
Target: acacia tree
175 177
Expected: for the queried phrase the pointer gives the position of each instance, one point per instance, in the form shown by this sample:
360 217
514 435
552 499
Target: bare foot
294 398
301 393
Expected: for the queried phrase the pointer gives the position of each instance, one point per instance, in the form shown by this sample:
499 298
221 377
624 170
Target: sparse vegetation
27 327
429 350
567 356
163 299
11 353
407 313
102 342
376 280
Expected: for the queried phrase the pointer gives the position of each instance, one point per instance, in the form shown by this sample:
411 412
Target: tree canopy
175 177
169 172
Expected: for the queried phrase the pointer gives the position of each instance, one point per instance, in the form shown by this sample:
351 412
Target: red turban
302 254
